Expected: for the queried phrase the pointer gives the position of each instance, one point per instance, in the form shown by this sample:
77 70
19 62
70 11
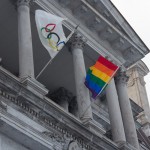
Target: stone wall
9 144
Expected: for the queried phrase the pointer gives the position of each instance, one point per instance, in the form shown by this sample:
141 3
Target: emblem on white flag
50 31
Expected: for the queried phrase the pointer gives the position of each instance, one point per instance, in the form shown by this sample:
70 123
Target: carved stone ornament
2 105
142 81
73 146
78 41
24 2
122 77
130 83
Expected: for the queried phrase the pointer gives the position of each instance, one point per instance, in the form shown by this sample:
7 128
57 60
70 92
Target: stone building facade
137 92
55 110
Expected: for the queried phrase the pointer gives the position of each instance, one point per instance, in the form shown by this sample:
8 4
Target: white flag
50 31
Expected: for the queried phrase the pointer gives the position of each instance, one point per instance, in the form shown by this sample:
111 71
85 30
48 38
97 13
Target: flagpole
108 81
100 92
70 35
50 61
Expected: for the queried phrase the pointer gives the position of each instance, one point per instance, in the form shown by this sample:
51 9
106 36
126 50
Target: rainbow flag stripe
99 75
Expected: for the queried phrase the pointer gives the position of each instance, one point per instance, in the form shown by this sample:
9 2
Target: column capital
24 2
122 77
78 41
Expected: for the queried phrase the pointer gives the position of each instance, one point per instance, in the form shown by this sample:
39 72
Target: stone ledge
127 146
34 86
29 83
47 113
91 125
22 133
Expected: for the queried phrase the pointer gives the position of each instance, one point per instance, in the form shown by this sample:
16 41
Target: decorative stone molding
106 33
94 127
131 83
32 111
95 24
84 9
131 55
19 101
122 77
142 68
46 113
65 146
80 11
118 43
3 106
55 137
78 41
34 86
73 146
142 81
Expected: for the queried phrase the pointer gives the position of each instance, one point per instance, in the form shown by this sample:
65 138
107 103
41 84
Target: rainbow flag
99 75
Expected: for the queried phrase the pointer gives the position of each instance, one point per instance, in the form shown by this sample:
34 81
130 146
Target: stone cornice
59 132
72 22
104 34
125 25
47 113
141 67
10 125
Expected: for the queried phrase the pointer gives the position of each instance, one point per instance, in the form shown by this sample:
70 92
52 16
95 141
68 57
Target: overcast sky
137 13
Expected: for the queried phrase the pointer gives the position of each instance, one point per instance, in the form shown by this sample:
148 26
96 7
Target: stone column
126 111
115 113
73 107
83 98
26 65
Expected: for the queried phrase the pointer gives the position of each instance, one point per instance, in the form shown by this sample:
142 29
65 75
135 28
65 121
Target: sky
137 13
